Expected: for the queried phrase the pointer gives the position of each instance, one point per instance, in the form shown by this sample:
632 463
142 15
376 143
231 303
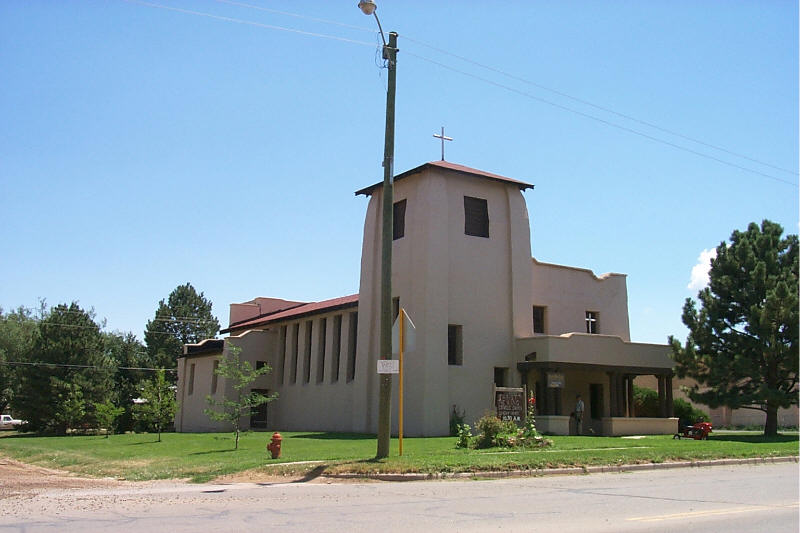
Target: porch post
662 396
670 403
613 393
631 407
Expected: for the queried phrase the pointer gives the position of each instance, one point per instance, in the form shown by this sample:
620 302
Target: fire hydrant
274 446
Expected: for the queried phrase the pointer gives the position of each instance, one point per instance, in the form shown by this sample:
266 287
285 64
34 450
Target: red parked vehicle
699 431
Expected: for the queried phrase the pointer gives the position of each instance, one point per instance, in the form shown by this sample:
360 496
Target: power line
602 108
598 119
509 88
528 82
249 22
64 365
298 15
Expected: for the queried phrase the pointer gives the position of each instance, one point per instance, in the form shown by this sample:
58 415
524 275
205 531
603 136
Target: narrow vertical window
281 354
337 348
214 377
538 319
321 340
307 353
395 308
591 322
455 345
295 351
500 376
352 338
191 380
476 217
399 220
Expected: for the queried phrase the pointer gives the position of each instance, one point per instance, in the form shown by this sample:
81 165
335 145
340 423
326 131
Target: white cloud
700 270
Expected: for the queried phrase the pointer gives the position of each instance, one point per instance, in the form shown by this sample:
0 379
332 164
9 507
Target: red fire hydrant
274 446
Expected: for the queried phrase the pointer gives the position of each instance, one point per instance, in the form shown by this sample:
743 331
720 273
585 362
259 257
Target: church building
487 314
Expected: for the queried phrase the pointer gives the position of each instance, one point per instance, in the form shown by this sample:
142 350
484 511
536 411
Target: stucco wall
443 276
568 292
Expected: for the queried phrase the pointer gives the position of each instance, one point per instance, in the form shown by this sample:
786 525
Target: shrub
464 436
688 414
645 402
493 431
646 405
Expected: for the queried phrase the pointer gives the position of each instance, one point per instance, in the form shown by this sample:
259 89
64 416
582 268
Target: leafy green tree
241 375
158 409
106 414
68 355
18 331
128 355
185 317
742 344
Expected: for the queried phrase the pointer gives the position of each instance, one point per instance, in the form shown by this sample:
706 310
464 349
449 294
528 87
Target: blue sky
144 145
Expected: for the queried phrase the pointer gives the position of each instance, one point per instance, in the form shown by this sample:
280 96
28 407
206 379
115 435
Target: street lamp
368 7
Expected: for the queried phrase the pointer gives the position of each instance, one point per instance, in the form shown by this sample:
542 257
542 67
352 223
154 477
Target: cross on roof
443 138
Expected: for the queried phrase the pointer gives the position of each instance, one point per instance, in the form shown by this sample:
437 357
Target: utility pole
385 393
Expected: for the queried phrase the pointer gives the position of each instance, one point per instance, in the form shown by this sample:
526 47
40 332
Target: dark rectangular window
500 376
295 350
281 353
214 377
260 364
322 334
352 346
538 319
307 353
395 308
337 348
476 217
455 345
258 416
191 380
399 220
591 322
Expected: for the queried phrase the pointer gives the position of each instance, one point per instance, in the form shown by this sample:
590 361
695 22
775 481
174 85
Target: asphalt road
728 499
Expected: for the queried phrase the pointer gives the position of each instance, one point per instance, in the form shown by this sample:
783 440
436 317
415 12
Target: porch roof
558 367
598 352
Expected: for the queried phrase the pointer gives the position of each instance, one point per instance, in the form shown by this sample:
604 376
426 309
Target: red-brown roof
295 312
451 167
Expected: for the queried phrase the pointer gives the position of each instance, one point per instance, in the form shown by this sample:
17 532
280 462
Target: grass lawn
204 456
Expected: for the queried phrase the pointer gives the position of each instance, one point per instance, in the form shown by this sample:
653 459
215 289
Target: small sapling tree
240 374
159 406
106 414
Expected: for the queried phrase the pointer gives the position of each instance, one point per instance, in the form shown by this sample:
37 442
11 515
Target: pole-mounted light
368 7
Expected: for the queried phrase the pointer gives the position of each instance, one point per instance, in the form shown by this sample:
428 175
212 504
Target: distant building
486 314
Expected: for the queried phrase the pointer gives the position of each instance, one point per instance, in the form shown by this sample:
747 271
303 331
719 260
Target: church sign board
509 404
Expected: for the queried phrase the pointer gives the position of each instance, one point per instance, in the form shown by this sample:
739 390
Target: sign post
402 339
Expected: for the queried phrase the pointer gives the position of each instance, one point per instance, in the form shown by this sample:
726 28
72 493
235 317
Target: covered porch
602 370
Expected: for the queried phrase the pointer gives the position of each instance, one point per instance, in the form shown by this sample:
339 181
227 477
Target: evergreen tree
70 363
184 318
743 341
18 331
127 352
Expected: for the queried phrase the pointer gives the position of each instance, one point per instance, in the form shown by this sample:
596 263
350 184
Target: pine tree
184 318
742 347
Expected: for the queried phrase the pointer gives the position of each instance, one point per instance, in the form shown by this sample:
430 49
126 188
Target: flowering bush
493 432
464 436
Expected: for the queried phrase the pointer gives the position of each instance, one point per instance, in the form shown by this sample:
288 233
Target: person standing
579 408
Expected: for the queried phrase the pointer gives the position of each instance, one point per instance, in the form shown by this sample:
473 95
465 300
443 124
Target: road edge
577 470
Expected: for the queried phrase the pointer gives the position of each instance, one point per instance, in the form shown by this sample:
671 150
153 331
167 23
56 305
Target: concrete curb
536 472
